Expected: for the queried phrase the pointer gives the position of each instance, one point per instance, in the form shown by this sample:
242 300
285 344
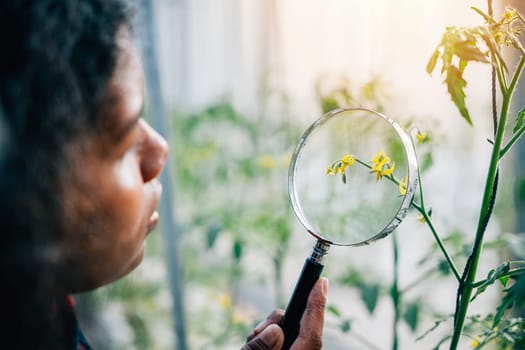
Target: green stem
511 142
395 294
501 78
440 243
516 76
421 209
466 286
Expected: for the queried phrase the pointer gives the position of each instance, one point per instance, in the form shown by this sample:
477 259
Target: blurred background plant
239 91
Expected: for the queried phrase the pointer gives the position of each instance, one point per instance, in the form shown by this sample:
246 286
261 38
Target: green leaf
493 276
212 233
432 62
329 103
456 88
369 296
506 303
237 249
444 267
352 278
345 326
411 315
467 50
333 310
504 280
519 120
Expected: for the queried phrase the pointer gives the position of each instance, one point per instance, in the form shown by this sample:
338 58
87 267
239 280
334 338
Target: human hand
269 336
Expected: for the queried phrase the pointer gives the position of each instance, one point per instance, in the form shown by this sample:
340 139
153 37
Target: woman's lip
153 221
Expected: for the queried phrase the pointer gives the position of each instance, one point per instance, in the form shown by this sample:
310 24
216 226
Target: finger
271 338
275 317
311 331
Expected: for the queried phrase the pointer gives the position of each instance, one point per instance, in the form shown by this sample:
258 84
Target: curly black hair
56 59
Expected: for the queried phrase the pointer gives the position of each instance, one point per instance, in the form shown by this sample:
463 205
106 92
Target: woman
78 170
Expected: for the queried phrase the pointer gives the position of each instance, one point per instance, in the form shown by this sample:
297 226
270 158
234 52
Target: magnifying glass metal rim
412 180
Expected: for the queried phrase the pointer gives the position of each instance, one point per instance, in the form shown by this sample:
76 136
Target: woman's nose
154 152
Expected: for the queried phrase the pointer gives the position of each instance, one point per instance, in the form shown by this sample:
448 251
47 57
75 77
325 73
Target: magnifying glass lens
349 176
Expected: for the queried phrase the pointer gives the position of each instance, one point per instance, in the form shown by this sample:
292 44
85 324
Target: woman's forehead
125 92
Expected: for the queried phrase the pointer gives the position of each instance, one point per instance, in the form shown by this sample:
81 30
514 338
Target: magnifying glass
351 181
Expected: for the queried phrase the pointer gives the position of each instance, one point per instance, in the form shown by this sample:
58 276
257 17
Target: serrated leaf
493 276
506 303
456 88
467 50
446 60
432 62
519 119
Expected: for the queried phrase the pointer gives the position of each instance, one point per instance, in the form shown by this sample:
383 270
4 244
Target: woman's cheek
127 193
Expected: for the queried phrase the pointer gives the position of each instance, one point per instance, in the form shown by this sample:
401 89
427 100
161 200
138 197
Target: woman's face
111 190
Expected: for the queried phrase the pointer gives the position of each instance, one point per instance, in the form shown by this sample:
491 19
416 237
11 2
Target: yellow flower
379 157
474 343
225 301
403 186
348 160
510 14
389 169
382 165
266 161
339 166
422 137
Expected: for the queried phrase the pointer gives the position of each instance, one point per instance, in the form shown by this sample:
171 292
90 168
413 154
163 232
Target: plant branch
511 142
508 95
501 77
516 76
395 294
440 243
513 272
465 286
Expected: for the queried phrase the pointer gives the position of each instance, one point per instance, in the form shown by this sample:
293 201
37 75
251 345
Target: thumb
271 338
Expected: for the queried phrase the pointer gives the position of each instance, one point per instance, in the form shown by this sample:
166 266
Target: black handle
295 309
